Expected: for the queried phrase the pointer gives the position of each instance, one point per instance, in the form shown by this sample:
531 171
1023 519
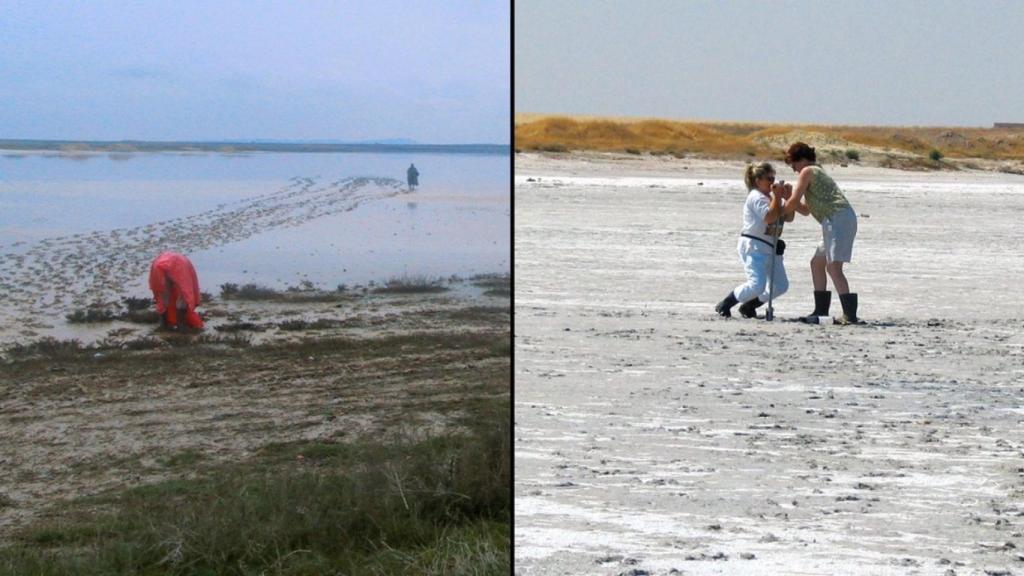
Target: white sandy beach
653 437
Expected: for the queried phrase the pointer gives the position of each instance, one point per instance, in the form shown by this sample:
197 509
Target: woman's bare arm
803 182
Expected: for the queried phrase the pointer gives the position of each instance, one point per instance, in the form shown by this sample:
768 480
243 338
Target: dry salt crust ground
653 437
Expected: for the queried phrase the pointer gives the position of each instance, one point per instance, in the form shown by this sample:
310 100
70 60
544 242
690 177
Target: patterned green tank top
823 196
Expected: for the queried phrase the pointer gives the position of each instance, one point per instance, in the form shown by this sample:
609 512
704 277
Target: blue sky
889 62
434 72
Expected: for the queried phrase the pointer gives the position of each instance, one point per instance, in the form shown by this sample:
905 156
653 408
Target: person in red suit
172 278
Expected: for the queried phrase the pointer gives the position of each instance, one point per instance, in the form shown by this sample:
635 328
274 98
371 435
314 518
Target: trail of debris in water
54 274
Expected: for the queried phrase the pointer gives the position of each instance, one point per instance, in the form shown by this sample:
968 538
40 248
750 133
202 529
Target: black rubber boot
849 303
822 302
749 308
725 305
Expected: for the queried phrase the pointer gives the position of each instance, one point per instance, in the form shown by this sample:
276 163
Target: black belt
758 239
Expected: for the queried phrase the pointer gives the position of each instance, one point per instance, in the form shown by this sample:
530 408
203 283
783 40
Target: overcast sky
896 62
433 71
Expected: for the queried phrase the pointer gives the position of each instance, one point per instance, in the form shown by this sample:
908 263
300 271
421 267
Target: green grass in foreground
436 506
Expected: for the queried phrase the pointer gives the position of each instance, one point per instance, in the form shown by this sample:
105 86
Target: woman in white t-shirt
757 243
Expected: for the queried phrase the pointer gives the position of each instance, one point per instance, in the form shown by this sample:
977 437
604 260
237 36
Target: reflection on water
457 222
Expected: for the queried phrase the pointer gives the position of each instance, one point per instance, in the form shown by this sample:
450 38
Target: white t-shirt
754 211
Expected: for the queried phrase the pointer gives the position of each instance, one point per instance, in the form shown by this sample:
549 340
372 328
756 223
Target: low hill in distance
902 147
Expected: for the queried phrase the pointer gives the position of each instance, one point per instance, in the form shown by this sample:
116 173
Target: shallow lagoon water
456 223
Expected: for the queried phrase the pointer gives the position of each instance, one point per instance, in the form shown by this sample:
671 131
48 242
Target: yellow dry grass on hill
726 139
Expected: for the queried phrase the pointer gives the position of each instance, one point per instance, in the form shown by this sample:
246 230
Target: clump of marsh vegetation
232 340
142 343
318 324
417 284
132 303
91 314
149 316
131 309
231 291
305 291
241 327
50 349
47 347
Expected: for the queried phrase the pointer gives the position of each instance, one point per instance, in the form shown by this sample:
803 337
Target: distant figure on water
413 175
172 278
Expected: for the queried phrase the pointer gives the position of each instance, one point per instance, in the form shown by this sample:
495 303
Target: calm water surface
456 222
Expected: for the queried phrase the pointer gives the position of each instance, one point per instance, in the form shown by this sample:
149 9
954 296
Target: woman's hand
775 207
803 182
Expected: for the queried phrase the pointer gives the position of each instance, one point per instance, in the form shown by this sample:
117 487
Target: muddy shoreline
84 420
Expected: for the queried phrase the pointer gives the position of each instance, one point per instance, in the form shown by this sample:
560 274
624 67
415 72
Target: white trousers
757 261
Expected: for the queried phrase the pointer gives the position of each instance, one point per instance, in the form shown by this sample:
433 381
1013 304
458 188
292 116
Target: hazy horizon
868 63
434 73
368 141
709 120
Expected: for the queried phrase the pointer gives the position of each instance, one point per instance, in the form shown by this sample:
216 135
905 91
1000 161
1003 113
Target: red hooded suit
174 283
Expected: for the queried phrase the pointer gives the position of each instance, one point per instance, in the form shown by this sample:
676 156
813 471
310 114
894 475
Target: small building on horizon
1009 125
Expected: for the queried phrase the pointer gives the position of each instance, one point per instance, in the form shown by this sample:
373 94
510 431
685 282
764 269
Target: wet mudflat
339 307
653 437
144 406
77 234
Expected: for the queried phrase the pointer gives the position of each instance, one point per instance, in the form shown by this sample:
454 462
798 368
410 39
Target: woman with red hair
817 193
172 278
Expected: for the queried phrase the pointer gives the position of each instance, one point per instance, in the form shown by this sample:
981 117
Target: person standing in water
413 176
